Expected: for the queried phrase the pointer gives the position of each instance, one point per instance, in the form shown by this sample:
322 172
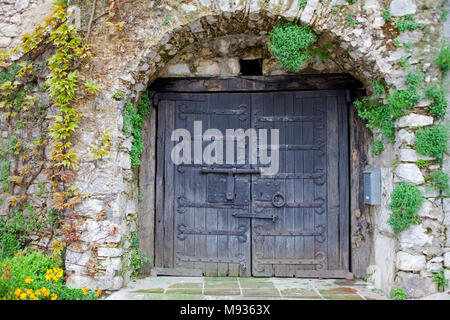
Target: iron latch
255 216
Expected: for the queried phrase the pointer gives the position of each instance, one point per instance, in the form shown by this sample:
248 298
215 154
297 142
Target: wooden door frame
359 223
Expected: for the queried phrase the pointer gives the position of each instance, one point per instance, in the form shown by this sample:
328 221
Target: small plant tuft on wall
408 23
406 200
289 42
432 141
439 181
443 59
397 294
439 106
439 279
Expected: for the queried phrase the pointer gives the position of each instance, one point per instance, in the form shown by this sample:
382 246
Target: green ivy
439 106
302 3
321 53
133 120
432 141
350 21
378 147
377 116
408 23
138 258
397 294
378 89
444 14
406 200
439 279
422 164
289 42
383 117
439 181
118 95
387 15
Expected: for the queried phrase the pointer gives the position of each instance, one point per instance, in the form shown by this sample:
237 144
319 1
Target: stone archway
154 33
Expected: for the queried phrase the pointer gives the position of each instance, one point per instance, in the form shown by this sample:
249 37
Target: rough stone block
430 211
9 30
78 258
384 259
100 232
409 262
414 120
21 4
208 67
414 237
109 252
404 137
408 172
180 69
98 282
4 42
447 260
415 285
435 264
402 7
410 155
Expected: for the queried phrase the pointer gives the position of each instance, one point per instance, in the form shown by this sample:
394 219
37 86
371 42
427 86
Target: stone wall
18 17
164 38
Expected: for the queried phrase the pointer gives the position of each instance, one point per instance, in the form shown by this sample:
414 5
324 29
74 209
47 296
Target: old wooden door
231 220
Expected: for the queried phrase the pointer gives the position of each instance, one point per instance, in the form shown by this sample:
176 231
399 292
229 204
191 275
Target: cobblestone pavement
204 288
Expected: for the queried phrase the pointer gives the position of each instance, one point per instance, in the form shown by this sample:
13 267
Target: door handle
255 216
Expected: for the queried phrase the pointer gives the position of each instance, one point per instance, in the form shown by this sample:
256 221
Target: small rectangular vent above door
251 67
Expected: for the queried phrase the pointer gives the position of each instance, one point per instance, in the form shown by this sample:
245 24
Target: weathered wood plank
343 185
159 185
169 182
257 83
333 183
361 236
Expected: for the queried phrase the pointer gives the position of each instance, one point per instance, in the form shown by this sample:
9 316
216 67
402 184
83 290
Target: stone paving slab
221 288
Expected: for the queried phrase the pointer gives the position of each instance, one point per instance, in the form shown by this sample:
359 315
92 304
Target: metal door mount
278 200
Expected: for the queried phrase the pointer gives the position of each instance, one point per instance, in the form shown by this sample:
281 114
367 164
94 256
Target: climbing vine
38 94
133 120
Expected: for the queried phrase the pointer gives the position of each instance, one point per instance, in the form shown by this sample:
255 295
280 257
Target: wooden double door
226 216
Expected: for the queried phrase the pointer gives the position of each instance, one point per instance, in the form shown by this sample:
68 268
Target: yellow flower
38 292
32 296
29 291
53 297
45 292
28 280
99 292
47 277
84 290
23 295
17 292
